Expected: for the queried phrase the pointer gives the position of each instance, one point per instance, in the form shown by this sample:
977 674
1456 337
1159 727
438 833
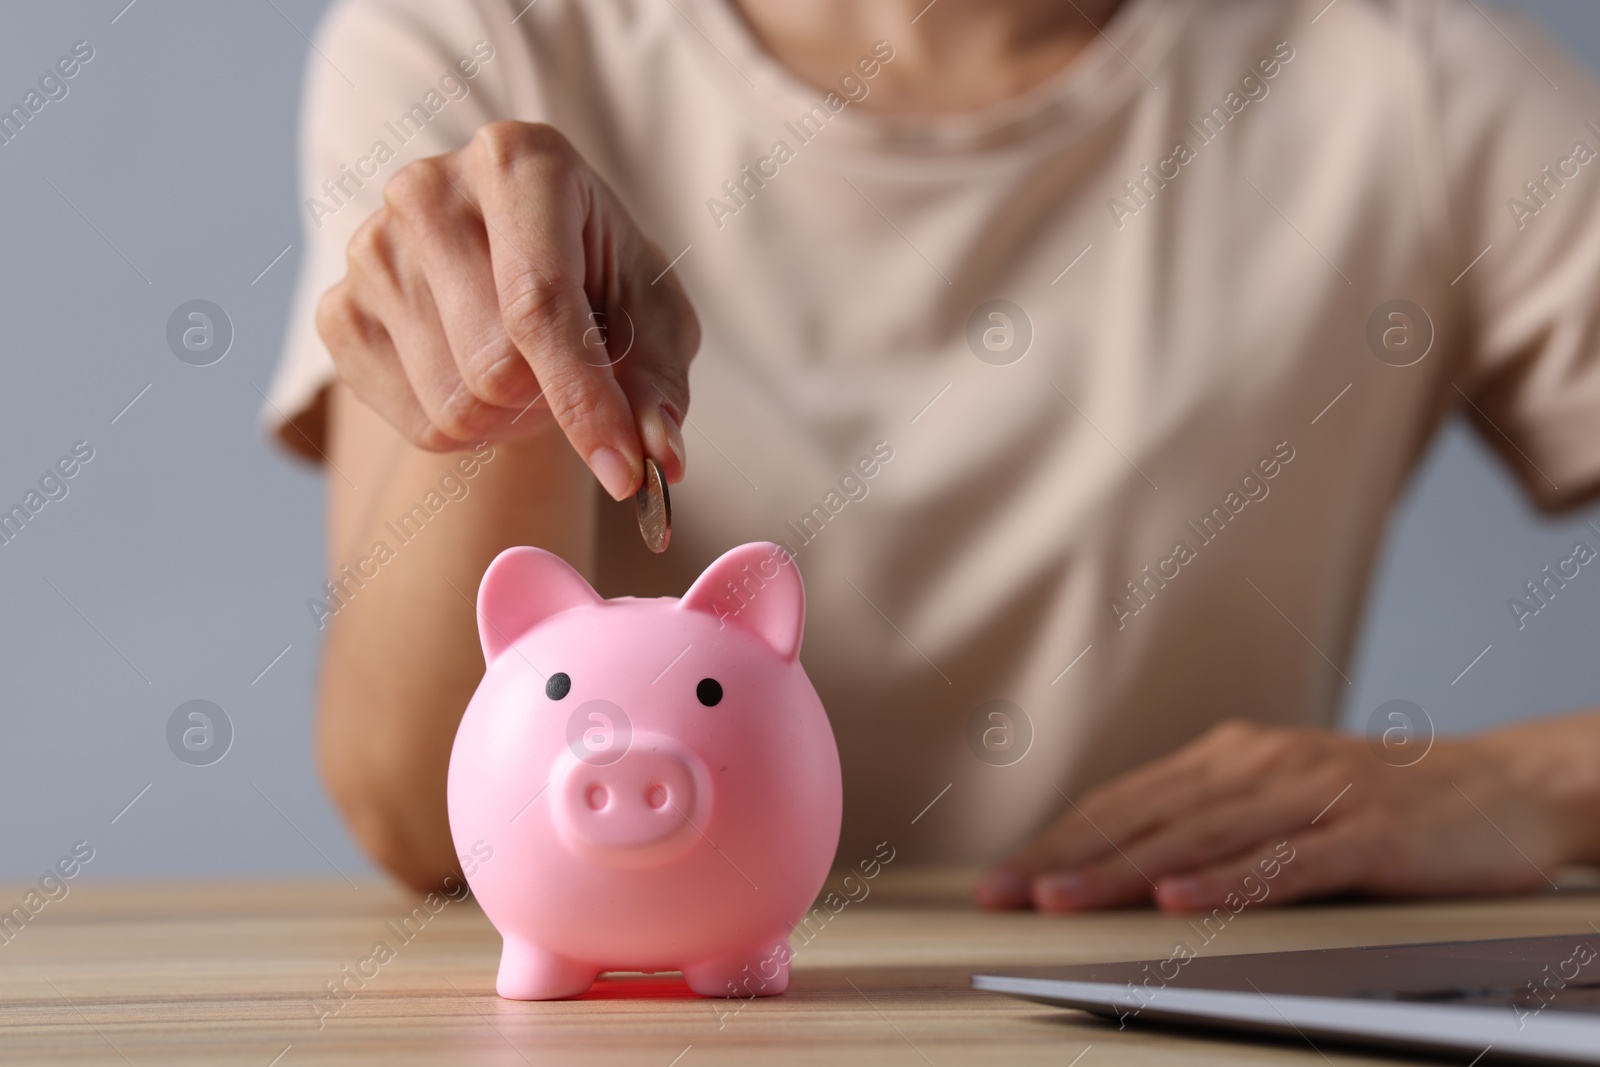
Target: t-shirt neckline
1117 63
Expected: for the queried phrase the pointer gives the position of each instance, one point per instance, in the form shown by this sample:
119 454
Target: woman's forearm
409 535
1558 760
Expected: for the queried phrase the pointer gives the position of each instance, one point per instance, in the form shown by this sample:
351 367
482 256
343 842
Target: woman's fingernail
1003 887
616 474
1180 892
1062 889
670 421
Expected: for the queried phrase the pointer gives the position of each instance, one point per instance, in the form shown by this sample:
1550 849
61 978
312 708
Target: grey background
178 566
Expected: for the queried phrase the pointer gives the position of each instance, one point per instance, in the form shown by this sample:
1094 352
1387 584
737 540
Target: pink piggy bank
656 777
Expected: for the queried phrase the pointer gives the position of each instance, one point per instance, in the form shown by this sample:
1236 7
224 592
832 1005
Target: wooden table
231 973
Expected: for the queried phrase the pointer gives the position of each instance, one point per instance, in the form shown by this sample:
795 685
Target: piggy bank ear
522 587
755 587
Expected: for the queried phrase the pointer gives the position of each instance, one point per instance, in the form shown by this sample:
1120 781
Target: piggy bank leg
528 972
762 971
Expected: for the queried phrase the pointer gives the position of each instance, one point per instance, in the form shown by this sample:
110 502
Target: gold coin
654 507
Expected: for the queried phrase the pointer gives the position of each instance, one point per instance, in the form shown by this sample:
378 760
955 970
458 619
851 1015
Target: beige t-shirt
1142 492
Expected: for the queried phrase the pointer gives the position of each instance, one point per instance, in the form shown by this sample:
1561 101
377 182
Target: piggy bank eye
557 686
709 691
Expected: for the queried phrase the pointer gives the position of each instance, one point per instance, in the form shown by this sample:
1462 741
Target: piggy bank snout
640 807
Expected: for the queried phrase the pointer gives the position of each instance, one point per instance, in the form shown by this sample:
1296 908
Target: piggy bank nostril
597 797
656 796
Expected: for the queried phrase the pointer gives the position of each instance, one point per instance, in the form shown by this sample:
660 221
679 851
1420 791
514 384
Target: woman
1138 313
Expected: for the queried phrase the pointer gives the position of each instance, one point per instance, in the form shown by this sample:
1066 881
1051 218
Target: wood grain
229 973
